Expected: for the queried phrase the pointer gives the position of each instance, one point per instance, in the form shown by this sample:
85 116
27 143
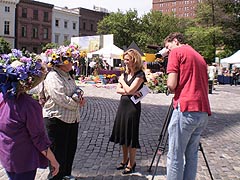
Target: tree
222 14
156 26
4 46
200 38
151 28
123 26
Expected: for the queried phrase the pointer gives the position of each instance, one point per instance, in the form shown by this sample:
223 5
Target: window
65 37
56 22
74 25
45 17
35 14
7 9
65 24
35 32
45 33
24 12
56 38
84 25
6 27
24 31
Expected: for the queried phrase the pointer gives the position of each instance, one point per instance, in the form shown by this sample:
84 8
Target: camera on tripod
160 63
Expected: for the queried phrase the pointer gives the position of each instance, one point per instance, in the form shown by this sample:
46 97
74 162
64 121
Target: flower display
62 55
20 72
157 82
111 78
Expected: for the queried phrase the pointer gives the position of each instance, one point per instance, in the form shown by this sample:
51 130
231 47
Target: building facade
180 8
7 21
88 21
29 25
65 24
33 25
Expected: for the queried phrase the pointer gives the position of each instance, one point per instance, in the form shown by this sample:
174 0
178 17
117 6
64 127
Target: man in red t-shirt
188 80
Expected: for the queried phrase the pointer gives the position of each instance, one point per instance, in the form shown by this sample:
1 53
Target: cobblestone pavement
96 158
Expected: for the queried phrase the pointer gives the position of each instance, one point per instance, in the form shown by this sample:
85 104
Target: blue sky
142 6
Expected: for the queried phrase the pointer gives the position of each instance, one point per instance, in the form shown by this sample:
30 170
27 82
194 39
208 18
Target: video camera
161 55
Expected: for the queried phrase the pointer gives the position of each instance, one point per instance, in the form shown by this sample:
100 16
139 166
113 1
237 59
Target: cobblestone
96 158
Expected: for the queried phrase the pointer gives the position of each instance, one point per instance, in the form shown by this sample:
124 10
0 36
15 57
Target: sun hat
20 72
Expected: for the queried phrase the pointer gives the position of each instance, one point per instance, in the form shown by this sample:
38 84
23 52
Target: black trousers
64 144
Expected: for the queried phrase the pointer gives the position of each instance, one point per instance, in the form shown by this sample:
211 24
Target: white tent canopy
233 59
110 51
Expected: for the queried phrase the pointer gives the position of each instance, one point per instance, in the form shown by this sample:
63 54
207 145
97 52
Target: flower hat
62 55
20 73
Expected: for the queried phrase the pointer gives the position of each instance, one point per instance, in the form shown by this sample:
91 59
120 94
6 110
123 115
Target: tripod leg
161 152
205 159
155 170
163 132
154 156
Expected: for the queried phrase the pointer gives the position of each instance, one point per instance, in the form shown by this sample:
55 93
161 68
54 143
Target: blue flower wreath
19 72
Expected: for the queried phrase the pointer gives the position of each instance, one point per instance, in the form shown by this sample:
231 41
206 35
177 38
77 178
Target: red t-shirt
192 88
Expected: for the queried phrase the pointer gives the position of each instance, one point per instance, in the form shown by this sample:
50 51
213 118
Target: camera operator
188 79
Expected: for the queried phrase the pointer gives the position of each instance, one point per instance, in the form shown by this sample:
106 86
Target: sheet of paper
144 91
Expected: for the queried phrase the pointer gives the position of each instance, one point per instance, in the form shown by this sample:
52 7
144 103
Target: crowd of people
46 135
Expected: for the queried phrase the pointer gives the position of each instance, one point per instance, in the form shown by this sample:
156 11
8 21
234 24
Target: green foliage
156 26
223 14
201 39
49 46
151 28
216 26
66 43
4 46
124 27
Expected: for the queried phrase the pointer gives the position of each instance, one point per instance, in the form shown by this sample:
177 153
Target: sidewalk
96 158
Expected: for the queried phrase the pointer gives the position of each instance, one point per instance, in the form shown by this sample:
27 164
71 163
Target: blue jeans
184 131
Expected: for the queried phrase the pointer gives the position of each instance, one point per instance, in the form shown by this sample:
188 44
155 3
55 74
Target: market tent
110 51
233 59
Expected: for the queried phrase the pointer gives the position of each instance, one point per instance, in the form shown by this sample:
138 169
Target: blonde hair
136 58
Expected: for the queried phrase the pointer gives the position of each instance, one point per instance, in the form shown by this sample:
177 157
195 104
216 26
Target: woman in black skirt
126 126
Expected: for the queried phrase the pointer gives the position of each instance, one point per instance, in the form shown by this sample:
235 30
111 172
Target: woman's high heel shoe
122 165
129 170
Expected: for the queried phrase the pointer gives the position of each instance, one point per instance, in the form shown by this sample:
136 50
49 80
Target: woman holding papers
126 127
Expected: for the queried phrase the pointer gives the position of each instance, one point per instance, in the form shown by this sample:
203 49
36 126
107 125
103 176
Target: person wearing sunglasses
61 110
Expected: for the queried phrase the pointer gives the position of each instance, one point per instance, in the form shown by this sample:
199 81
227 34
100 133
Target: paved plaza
96 158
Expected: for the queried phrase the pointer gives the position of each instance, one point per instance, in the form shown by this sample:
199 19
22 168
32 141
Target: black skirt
126 126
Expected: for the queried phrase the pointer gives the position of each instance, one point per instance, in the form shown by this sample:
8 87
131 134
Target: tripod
162 143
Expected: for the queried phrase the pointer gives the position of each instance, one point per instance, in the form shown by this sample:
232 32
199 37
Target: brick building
180 8
88 21
33 25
